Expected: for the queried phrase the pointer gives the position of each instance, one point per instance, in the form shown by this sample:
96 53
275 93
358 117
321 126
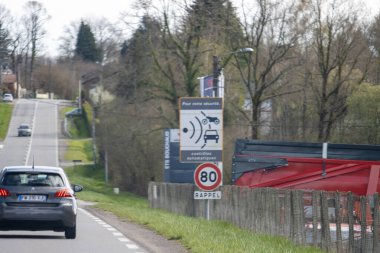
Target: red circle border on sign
199 169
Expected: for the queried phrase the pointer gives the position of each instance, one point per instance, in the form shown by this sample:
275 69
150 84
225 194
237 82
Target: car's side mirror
77 188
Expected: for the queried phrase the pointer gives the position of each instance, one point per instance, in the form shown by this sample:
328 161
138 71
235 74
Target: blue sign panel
174 170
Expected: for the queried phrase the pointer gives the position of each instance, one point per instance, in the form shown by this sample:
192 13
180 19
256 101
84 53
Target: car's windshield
24 127
32 179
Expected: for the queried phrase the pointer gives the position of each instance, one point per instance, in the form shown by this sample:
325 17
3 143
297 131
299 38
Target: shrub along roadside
198 235
5 118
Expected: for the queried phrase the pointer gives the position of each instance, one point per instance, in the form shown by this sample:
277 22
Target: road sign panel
207 195
201 129
207 176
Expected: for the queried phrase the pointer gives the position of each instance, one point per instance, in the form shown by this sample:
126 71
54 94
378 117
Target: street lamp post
217 69
216 73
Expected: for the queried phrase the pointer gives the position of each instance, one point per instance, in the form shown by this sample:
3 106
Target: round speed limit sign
207 176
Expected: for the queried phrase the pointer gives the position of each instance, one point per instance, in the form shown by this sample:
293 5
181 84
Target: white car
24 130
7 97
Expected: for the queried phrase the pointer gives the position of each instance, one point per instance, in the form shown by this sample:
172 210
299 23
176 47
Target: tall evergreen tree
86 45
216 20
136 55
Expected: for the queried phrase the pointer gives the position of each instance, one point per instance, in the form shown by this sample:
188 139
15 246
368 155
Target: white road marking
130 244
31 137
56 135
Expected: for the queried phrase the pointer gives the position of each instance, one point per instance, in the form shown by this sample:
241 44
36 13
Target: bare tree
204 26
5 37
340 50
68 40
108 39
177 61
374 37
34 20
271 29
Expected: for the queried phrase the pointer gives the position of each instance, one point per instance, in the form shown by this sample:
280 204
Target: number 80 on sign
207 176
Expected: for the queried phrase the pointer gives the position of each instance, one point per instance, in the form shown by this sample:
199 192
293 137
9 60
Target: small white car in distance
7 97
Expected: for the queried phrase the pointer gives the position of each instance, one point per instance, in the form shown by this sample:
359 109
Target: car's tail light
4 192
63 193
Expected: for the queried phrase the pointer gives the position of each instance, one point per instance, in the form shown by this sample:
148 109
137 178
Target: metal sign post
207 177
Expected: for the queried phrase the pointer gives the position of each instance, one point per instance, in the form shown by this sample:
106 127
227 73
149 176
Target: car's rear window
32 179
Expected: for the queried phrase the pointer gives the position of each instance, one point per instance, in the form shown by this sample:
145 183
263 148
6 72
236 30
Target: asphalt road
94 235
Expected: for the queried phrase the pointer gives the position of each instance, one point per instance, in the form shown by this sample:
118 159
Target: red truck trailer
307 166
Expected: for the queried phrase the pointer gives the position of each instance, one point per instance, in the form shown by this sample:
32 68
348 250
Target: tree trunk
255 122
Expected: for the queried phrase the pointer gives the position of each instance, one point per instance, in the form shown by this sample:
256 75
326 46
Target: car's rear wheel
70 232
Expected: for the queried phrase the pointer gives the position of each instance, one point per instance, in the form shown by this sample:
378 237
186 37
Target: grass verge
198 235
79 149
80 144
5 118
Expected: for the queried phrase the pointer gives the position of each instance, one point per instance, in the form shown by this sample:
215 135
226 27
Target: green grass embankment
5 118
79 149
198 235
80 146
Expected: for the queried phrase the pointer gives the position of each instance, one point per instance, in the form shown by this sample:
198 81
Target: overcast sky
64 12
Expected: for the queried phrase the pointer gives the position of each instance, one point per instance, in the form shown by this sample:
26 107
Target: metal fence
333 221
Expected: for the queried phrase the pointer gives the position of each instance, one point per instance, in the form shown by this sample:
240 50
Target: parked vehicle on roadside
7 97
37 198
74 112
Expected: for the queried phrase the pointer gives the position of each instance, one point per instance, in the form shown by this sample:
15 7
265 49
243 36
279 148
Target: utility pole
80 94
18 73
49 83
216 73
